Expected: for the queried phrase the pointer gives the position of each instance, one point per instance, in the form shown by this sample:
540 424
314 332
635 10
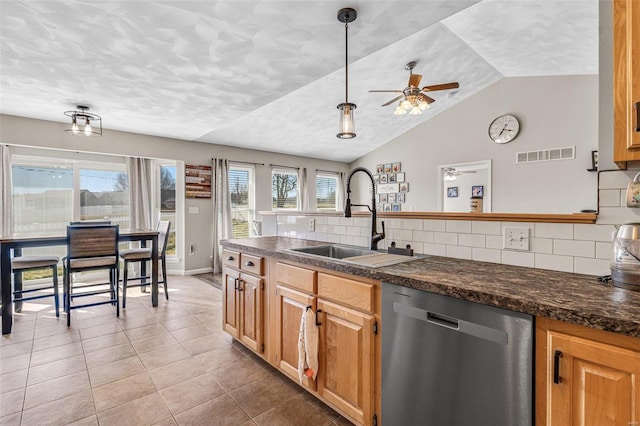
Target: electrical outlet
312 225
516 238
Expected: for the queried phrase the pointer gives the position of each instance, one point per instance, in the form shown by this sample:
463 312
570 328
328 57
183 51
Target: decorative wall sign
387 188
197 181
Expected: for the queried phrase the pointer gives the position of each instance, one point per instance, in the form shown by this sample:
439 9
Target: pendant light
81 114
347 128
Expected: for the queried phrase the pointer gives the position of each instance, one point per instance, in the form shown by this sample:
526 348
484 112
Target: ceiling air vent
567 153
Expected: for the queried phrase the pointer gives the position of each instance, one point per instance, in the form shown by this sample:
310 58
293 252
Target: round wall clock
504 129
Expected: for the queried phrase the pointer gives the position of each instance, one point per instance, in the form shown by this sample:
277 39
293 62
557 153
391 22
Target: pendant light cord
346 60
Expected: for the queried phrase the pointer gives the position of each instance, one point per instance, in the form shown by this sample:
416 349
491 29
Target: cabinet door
290 306
626 79
250 294
230 301
345 376
598 384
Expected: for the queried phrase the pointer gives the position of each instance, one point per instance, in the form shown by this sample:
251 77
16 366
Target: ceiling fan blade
385 91
414 80
393 100
429 99
444 86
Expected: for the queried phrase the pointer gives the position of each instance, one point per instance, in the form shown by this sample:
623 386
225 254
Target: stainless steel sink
357 255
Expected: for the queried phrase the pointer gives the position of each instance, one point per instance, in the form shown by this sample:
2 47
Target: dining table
16 242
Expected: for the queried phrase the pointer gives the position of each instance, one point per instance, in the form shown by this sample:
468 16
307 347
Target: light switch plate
516 238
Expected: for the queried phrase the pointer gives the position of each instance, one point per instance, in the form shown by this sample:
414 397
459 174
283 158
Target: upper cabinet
626 80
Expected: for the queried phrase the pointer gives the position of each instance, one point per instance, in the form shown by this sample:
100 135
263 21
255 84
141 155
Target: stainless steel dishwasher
450 362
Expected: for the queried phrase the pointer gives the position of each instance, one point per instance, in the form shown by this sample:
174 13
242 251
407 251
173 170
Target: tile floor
153 366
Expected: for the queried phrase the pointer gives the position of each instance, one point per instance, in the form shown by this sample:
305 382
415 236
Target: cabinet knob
229 257
249 263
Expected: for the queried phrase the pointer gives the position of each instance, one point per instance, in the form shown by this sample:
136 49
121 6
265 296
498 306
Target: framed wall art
197 181
477 191
452 192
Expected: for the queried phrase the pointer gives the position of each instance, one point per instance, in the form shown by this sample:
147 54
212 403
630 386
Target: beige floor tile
294 412
292 385
190 393
137 319
11 402
147 410
15 363
174 373
204 344
167 422
209 413
179 323
59 368
87 421
61 411
115 370
100 330
153 343
23 336
11 420
243 372
54 389
194 332
15 349
261 395
102 342
146 331
109 354
163 356
53 354
320 406
122 391
14 380
341 421
52 329
96 320
219 358
55 340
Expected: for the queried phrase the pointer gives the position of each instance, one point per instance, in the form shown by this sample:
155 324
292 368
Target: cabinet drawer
231 258
300 278
253 264
346 291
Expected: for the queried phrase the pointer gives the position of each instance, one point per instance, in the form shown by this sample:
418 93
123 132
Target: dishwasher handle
443 320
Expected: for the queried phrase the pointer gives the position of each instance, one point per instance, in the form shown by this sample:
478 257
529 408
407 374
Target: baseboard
195 271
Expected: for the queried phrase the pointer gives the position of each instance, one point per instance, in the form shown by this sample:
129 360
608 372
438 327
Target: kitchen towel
308 346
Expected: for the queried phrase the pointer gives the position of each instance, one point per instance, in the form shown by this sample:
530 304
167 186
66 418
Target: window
167 188
285 189
326 191
47 195
242 200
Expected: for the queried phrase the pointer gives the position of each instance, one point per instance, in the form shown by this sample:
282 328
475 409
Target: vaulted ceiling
266 74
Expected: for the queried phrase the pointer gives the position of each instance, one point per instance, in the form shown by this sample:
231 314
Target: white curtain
139 204
302 190
6 206
222 223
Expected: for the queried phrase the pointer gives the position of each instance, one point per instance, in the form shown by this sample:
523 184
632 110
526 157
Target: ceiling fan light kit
81 115
347 126
411 99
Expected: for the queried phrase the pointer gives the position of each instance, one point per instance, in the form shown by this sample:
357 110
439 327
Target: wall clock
504 129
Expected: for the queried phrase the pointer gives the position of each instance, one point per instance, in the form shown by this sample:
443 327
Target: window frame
287 171
251 194
328 175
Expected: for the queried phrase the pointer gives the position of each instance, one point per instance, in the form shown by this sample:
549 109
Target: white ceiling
266 74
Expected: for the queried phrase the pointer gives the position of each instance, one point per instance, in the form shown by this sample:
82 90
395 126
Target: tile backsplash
565 247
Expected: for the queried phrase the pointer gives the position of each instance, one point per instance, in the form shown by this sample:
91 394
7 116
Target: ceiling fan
450 173
412 98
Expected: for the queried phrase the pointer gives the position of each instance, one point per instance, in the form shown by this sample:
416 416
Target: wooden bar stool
22 264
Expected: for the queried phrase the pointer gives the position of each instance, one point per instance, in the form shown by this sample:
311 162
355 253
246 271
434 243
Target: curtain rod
243 162
285 167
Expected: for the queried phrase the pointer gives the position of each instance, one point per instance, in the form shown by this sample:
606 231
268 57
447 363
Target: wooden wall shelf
587 218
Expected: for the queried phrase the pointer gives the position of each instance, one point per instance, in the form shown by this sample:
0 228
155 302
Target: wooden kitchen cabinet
243 299
626 81
345 310
586 376
345 376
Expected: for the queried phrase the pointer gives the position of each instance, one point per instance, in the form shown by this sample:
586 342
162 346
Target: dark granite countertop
574 298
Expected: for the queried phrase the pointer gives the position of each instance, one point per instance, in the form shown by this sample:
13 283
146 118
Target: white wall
198 227
554 112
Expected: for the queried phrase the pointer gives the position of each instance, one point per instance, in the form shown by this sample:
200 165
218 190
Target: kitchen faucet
375 236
